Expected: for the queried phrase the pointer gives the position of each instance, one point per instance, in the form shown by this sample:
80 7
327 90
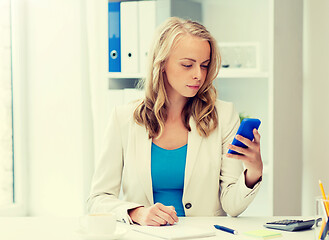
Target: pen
225 229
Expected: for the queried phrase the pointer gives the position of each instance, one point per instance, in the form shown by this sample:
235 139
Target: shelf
120 75
223 73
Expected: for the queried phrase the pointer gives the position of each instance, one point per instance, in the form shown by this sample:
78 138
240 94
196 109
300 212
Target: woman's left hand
251 158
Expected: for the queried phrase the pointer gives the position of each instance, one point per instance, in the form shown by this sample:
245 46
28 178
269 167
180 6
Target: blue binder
114 37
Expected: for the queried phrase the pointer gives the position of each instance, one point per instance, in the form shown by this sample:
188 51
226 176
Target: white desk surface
64 228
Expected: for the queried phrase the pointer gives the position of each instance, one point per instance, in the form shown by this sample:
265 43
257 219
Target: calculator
290 225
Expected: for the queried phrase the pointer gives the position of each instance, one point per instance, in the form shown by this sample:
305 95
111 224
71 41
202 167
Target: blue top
168 172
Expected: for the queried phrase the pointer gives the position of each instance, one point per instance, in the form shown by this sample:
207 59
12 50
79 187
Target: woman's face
186 68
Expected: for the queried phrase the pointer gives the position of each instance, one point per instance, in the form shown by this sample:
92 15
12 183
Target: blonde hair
152 111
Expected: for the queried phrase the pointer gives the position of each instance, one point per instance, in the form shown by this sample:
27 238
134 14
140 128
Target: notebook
263 234
175 231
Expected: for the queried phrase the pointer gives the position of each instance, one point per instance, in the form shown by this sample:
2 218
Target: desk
62 228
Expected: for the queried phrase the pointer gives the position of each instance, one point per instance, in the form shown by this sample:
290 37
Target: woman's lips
194 87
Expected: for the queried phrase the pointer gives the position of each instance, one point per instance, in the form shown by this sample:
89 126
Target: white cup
99 224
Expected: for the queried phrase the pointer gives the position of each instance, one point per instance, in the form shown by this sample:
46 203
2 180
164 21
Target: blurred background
59 81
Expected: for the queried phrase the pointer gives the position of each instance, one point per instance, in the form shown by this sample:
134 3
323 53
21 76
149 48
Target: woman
168 152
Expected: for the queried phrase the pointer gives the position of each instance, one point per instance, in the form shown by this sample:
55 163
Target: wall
187 9
287 106
315 102
58 108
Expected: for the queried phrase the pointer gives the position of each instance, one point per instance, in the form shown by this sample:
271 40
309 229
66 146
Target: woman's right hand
155 215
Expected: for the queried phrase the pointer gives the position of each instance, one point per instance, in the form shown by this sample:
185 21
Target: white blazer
214 184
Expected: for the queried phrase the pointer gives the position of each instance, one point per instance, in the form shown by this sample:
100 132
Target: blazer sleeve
106 183
235 195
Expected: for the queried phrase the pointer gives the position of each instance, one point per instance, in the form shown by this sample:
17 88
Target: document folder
114 37
129 37
147 24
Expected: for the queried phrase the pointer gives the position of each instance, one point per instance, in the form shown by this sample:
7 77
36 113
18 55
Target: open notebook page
175 231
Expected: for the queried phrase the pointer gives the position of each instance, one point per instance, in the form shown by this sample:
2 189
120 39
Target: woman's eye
187 65
204 66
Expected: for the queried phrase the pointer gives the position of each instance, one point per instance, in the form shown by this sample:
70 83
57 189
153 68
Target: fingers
253 147
151 219
159 220
237 149
247 142
244 140
235 156
158 215
167 213
256 136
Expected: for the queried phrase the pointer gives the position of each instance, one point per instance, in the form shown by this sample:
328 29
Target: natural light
6 126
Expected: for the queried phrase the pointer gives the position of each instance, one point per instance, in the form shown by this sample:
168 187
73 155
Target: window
6 108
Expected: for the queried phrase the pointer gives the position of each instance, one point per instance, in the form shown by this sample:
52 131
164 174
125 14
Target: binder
147 24
129 37
114 37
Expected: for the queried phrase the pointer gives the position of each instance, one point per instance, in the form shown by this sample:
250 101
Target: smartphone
245 130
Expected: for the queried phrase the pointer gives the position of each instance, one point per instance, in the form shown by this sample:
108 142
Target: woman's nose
197 73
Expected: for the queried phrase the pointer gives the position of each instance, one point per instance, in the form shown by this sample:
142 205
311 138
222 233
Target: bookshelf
224 73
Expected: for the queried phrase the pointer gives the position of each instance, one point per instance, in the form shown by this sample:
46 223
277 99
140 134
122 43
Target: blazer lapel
193 144
143 163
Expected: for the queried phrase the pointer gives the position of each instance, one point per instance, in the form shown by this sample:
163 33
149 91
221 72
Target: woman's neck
175 108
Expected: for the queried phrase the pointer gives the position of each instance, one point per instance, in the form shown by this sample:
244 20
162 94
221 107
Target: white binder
129 37
147 24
